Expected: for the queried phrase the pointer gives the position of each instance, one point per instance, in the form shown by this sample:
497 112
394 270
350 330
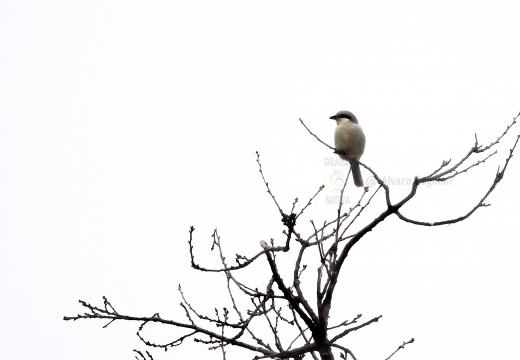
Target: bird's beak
333 117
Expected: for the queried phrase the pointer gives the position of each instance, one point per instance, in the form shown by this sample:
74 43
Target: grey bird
349 141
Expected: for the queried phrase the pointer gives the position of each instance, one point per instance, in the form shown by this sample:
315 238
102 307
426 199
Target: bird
349 141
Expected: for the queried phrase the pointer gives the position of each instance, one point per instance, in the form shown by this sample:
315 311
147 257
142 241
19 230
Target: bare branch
476 149
345 351
349 330
266 183
347 323
481 203
293 301
310 200
401 347
95 312
141 355
317 138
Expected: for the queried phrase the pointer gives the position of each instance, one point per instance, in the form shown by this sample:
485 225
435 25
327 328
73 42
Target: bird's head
344 114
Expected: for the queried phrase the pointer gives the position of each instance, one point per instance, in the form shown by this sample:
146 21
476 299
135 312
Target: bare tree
276 319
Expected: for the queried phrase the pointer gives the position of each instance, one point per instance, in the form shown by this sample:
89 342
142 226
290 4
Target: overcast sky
122 123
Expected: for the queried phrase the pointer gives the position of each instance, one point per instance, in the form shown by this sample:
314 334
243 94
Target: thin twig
401 347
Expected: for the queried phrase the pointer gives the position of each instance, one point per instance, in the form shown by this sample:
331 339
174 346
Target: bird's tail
356 173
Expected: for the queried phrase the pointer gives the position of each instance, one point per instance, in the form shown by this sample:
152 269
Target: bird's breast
349 138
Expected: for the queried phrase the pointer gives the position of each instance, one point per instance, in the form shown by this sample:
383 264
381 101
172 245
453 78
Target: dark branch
401 347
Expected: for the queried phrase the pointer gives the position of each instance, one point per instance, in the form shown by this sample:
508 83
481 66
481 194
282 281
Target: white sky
122 123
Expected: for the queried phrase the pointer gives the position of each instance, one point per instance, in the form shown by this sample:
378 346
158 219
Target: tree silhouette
276 319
